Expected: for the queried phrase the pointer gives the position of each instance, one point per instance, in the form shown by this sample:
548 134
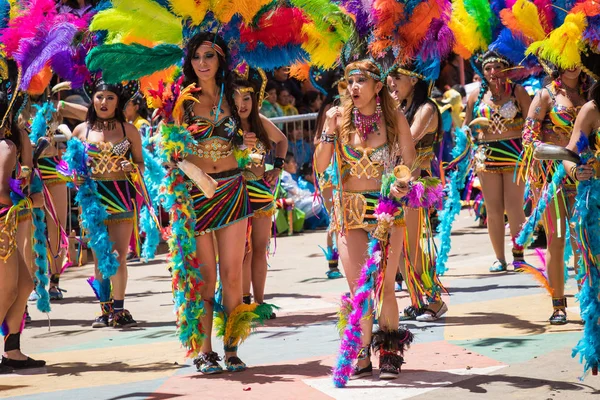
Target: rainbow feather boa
452 205
92 220
370 280
586 216
40 250
174 142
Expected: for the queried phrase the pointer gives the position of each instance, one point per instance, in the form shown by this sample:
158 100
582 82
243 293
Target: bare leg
14 316
513 203
207 259
25 245
414 229
59 195
247 265
388 320
492 188
353 248
231 241
261 234
119 234
9 280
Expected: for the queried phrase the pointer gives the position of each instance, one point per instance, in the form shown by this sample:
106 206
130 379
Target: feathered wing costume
255 33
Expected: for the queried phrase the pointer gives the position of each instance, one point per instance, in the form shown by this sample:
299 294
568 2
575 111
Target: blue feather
39 125
272 58
4 13
40 250
92 221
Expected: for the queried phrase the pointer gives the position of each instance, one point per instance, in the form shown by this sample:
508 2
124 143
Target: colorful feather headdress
569 41
254 78
43 41
263 33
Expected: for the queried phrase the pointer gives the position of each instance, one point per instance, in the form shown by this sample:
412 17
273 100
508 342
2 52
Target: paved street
494 343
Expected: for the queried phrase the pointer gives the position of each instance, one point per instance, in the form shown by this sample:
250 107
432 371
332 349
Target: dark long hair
420 98
254 117
14 133
223 73
594 94
92 117
139 100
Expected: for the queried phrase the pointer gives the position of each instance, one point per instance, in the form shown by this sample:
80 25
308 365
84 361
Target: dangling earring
378 107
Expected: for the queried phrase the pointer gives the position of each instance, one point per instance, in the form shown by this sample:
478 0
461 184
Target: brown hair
388 105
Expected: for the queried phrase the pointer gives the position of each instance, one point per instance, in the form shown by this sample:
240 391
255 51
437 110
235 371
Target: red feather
278 28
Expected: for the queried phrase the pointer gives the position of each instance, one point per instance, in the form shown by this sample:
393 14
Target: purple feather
415 194
15 187
433 196
34 53
438 42
361 11
386 206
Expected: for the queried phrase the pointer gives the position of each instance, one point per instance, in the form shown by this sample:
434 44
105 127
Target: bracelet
278 162
327 137
61 104
574 172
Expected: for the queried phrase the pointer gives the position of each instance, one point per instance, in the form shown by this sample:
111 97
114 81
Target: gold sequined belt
214 150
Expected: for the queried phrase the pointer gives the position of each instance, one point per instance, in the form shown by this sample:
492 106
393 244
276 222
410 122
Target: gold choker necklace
105 124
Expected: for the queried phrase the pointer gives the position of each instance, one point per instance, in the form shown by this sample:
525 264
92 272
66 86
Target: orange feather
40 82
537 275
413 32
590 8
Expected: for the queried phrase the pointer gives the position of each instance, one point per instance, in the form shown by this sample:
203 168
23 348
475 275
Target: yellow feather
323 53
526 13
248 9
562 45
465 30
195 10
141 18
239 324
185 94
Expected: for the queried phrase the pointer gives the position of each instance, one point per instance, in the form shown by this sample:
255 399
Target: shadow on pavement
147 396
297 320
77 368
272 373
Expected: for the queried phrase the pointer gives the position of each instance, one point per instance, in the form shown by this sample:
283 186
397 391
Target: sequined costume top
361 162
502 118
557 126
106 157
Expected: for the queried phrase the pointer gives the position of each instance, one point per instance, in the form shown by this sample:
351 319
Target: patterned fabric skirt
8 233
358 211
499 156
120 198
261 198
230 203
47 167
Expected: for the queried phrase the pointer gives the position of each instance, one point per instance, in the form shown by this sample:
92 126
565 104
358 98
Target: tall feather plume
481 12
26 24
120 62
439 40
414 30
40 81
33 54
362 15
281 27
248 9
468 37
193 9
386 14
546 14
142 18
562 45
592 33
526 14
513 46
590 8
4 13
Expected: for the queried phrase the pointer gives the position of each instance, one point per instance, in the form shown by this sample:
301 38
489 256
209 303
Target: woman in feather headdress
248 94
366 136
411 89
15 278
113 150
550 120
214 123
499 110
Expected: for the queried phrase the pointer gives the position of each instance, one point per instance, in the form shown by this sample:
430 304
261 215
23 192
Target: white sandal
430 316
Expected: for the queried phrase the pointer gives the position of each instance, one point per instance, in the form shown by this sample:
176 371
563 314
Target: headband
215 46
103 86
410 73
364 72
499 60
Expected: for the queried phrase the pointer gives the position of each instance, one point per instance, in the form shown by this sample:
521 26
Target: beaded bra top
557 126
214 139
106 157
502 118
364 162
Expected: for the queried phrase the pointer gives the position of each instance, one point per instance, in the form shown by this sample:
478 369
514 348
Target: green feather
142 18
481 11
120 62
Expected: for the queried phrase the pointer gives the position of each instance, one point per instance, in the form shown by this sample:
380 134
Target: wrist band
574 172
278 162
61 104
327 137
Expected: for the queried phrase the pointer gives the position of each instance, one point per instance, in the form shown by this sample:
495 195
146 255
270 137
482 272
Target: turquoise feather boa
39 126
40 250
92 220
154 173
452 205
526 233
